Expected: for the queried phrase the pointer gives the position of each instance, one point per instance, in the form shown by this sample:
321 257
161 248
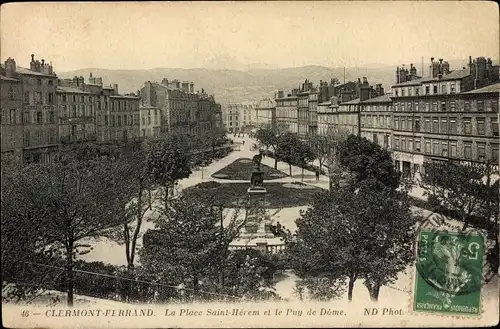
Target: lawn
241 169
279 195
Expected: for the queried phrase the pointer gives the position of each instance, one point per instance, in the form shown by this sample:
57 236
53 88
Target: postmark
450 269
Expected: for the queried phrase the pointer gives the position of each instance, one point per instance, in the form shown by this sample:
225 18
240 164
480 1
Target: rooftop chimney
32 57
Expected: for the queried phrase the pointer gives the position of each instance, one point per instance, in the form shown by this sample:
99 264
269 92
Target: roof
286 97
325 103
494 88
22 70
453 75
379 99
354 101
71 90
9 79
123 96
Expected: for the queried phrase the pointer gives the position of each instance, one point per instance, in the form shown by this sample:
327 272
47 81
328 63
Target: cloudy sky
287 34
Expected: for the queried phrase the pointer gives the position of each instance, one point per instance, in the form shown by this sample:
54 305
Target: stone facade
182 111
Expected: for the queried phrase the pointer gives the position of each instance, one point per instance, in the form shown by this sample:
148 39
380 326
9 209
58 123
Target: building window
468 150
453 125
467 126
494 126
417 145
444 149
427 90
403 144
453 149
112 120
428 146
435 148
467 106
452 106
396 143
435 106
443 89
12 117
50 82
427 125
417 89
119 123
39 82
105 120
410 123
435 125
52 117
443 106
410 145
481 151
39 118
435 89
444 126
452 88
27 138
403 123
494 153
480 126
38 98
480 106
494 106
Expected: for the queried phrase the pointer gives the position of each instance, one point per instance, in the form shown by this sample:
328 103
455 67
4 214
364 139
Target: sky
132 35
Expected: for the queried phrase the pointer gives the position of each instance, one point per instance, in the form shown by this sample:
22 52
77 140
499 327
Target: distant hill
247 84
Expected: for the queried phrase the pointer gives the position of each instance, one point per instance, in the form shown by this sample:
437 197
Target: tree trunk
302 178
222 279
374 290
275 162
352 278
137 230
126 237
69 269
290 169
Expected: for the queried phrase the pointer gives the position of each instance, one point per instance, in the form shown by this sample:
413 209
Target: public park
252 222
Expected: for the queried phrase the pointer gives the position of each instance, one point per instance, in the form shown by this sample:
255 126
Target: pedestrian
243 142
317 174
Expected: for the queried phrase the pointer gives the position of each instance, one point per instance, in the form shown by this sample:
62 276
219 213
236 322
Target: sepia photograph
250 164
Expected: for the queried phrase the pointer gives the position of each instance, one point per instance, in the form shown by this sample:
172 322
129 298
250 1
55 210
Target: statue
256 160
257 178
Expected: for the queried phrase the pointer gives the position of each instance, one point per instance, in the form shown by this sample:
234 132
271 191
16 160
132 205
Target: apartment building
287 111
376 120
447 115
11 119
76 112
150 121
181 110
265 113
32 94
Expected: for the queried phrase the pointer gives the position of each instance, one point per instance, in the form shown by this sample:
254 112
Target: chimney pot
32 57
43 61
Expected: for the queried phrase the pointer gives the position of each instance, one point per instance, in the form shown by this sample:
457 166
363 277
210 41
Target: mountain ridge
230 85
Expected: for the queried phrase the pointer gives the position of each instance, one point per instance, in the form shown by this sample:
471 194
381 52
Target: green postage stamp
449 272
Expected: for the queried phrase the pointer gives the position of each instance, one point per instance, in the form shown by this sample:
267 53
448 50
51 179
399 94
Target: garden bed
241 169
278 195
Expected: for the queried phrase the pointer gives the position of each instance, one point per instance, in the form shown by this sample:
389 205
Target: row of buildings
239 117
40 112
445 115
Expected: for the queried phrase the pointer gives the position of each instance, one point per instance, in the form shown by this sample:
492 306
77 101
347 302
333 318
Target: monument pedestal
256 233
258 222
